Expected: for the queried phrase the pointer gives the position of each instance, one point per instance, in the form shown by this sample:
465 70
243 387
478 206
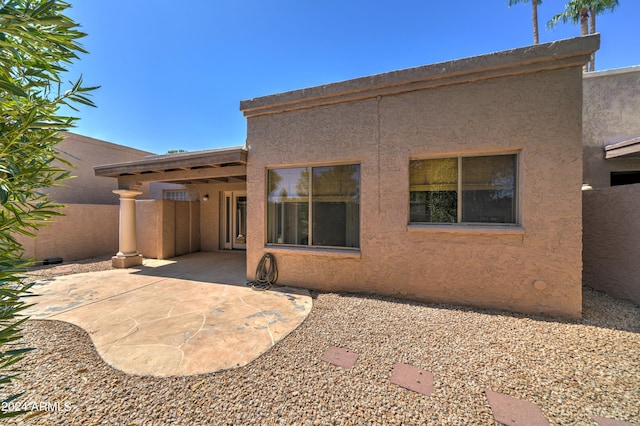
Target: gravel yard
45 272
572 370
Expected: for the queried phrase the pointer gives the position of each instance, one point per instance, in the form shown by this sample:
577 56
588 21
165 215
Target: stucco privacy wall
611 237
86 230
166 228
148 228
611 114
526 101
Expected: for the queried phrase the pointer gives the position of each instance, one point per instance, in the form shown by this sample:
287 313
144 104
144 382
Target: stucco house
611 213
458 182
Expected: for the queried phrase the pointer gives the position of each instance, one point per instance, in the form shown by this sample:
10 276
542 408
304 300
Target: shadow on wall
611 231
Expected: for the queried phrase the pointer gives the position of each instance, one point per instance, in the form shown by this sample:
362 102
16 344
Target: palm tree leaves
579 11
575 10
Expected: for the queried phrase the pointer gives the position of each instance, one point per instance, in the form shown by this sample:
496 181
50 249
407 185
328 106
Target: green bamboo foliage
37 44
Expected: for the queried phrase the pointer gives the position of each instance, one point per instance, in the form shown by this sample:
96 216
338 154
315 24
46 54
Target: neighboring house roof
213 165
627 148
82 154
75 137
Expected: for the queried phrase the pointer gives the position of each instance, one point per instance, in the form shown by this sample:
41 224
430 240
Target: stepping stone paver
341 357
512 411
412 378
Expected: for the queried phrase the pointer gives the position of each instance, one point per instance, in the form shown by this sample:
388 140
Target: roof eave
190 160
625 149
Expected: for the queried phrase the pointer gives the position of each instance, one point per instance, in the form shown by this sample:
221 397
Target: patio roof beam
128 181
188 160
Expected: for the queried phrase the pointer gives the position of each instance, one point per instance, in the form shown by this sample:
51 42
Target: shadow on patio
188 315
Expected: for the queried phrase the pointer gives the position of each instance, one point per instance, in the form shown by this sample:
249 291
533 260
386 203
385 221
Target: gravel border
45 272
571 369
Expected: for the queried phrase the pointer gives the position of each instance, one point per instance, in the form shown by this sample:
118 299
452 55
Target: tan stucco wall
148 236
612 240
85 231
84 153
166 228
611 113
187 223
537 115
211 225
210 218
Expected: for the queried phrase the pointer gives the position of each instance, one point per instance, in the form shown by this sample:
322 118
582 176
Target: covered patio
217 185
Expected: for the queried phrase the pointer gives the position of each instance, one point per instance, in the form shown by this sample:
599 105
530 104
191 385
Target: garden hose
266 273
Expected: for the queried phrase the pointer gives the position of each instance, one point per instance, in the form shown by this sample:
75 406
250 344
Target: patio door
235 220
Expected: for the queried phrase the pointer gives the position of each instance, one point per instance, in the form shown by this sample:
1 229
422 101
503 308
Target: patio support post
127 255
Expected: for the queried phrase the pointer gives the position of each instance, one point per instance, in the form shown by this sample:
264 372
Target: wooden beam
184 175
175 161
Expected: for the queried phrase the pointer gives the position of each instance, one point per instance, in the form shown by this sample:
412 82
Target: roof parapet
573 52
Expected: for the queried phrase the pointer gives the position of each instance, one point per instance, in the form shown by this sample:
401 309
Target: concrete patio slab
189 315
70 291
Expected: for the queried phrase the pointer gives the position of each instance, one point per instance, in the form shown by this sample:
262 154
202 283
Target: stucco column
127 255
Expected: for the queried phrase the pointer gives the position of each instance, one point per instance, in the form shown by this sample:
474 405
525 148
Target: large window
474 190
314 206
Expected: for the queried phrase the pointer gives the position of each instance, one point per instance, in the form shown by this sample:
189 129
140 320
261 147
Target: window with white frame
175 195
314 206
464 190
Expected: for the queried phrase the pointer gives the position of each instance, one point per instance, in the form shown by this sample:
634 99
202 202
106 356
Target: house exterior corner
341 186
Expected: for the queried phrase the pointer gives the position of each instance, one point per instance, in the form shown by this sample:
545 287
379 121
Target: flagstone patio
189 315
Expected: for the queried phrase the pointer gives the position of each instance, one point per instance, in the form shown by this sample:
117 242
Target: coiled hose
266 273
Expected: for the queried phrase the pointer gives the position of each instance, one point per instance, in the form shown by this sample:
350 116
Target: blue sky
173 73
